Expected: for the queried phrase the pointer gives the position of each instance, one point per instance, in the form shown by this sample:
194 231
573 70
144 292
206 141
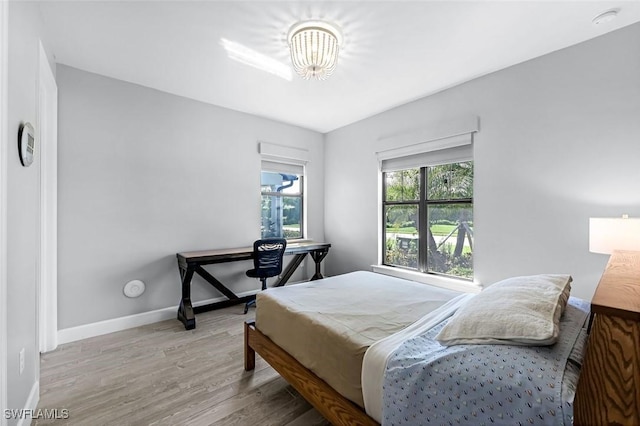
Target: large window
428 219
282 200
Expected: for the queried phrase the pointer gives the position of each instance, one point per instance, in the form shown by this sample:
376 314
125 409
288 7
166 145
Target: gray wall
558 143
23 211
143 175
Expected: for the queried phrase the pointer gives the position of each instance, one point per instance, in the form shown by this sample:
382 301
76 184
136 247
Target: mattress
327 325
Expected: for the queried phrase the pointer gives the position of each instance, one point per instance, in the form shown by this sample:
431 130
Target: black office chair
267 261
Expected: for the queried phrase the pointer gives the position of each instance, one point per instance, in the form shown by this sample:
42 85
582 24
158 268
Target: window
428 219
282 200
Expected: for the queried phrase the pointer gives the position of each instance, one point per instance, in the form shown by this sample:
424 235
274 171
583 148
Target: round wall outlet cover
134 288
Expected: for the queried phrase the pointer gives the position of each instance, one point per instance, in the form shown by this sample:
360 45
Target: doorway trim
4 147
47 125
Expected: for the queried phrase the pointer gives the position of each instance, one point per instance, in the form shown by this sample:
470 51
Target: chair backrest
267 256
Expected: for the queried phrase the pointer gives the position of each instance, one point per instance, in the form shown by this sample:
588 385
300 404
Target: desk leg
215 283
185 310
318 256
291 268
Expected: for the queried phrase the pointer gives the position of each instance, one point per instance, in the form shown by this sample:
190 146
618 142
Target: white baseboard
31 404
99 328
86 331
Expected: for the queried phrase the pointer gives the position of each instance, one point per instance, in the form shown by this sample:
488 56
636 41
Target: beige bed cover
327 325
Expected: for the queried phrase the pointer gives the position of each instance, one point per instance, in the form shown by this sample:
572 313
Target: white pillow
516 311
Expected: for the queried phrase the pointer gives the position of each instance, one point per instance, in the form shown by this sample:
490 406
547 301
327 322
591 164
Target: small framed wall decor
26 144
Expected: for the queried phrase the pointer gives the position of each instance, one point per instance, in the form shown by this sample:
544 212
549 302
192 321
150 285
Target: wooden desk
609 386
192 262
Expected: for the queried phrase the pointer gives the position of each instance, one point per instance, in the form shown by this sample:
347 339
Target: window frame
385 204
300 195
423 204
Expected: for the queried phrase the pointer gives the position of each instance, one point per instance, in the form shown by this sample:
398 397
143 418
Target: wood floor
161 374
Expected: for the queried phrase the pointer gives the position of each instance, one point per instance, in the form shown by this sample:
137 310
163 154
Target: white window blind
439 142
287 168
283 153
458 149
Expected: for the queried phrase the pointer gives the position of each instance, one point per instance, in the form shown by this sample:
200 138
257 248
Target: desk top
245 253
618 292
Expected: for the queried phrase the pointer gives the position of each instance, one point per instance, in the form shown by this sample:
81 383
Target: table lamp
615 233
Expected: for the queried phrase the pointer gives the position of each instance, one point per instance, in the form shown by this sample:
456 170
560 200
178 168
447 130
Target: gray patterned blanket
426 383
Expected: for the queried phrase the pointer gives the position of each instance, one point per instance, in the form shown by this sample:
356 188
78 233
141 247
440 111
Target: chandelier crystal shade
314 47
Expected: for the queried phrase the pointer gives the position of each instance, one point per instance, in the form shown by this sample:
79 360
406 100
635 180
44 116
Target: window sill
434 280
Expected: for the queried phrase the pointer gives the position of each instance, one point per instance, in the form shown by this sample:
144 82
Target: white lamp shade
609 234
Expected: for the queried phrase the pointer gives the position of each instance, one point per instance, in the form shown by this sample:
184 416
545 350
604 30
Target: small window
282 200
428 219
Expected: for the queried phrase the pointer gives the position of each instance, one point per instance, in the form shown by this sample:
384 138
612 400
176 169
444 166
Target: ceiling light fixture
314 47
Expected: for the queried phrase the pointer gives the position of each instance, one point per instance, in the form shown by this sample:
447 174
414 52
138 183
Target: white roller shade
283 153
454 149
288 168
436 142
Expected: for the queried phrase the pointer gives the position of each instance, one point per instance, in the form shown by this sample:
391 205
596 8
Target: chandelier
314 47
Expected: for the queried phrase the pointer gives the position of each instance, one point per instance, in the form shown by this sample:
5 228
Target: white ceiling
393 52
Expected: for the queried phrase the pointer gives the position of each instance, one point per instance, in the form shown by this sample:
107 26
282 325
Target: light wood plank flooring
161 374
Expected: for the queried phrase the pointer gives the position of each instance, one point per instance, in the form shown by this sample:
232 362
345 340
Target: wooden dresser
609 386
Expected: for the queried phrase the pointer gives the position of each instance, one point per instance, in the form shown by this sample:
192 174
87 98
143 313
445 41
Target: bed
341 340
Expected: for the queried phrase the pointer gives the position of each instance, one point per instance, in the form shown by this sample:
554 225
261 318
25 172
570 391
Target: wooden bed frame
609 385
333 406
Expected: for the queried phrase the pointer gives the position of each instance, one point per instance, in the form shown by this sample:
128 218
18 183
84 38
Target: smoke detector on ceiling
605 17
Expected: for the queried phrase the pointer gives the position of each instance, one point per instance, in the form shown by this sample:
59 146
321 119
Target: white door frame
47 130
4 147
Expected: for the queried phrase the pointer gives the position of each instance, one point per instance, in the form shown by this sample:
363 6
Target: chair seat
262 273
